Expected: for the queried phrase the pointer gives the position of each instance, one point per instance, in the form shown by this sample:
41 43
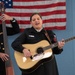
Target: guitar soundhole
40 50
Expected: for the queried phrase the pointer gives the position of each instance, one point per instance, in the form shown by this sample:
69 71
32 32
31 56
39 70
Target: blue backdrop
66 60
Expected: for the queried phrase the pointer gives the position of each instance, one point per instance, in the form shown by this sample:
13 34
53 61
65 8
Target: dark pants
2 68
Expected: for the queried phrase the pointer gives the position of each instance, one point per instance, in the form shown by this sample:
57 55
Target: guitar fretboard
56 44
69 39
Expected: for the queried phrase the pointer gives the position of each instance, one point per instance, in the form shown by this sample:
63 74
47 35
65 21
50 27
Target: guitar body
28 65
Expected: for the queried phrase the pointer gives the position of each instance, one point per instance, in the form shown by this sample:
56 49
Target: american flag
53 12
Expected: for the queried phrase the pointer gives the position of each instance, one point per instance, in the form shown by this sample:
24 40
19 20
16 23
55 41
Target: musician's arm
17 43
14 29
56 50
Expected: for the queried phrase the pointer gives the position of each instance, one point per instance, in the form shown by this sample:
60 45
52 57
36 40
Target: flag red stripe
56 27
55 20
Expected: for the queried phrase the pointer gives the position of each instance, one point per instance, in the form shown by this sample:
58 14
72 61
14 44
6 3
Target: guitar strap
46 34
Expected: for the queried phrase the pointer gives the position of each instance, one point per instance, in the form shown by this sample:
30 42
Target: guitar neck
69 39
56 44
50 46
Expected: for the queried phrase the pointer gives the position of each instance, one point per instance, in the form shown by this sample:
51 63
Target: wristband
13 20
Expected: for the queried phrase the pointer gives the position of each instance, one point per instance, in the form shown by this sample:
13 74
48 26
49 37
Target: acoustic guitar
41 53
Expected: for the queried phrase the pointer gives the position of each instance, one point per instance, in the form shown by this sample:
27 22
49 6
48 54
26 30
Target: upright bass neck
8 64
6 48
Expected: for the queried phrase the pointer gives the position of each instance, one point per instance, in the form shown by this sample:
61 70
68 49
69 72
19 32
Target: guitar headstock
2 8
74 37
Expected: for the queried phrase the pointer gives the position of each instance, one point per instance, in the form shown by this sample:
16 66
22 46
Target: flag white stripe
35 10
43 17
